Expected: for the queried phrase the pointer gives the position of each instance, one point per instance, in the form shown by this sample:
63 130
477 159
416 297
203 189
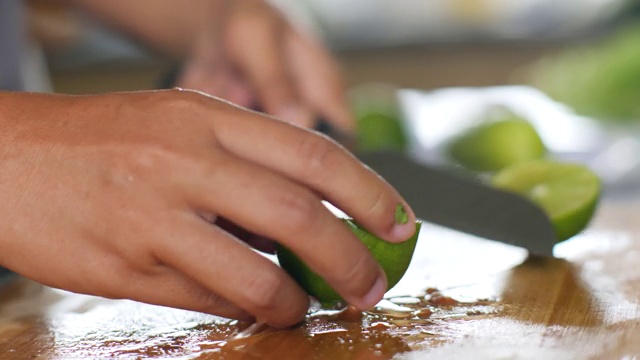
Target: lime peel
497 144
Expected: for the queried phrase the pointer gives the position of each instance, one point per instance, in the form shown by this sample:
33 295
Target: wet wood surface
463 298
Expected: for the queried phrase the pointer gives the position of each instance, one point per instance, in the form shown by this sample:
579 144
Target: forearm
167 26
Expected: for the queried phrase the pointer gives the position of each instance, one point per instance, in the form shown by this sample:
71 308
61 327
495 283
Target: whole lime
379 117
495 145
380 131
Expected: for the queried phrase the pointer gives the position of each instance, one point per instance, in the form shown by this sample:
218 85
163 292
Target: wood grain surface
463 298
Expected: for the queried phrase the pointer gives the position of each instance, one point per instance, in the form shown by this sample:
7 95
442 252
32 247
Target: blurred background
410 43
570 68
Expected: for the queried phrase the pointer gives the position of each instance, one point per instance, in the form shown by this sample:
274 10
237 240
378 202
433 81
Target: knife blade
457 202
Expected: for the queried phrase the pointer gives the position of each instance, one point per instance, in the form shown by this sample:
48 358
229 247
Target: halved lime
495 145
568 193
394 258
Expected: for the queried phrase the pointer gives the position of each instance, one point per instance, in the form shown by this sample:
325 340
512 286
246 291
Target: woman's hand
115 195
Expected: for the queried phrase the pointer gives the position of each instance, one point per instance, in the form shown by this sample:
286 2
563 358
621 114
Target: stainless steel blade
464 204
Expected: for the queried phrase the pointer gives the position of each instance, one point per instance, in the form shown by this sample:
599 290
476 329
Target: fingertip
295 316
375 294
239 315
402 233
404 223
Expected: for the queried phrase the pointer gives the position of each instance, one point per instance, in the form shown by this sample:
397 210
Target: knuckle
321 157
183 98
379 205
301 210
142 259
146 158
183 103
263 290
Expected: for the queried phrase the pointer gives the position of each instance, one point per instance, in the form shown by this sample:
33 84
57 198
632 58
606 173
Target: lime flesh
495 145
568 193
394 258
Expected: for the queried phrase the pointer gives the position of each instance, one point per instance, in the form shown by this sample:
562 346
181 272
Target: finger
113 275
270 205
322 88
202 76
238 91
322 165
227 267
256 44
167 287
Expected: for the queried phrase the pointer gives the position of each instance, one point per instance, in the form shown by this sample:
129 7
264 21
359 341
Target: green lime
568 193
379 131
393 257
379 121
495 145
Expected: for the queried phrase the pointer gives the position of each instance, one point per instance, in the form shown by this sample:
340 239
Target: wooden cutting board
463 298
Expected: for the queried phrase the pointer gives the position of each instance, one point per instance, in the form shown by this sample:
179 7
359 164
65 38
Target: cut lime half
568 193
394 258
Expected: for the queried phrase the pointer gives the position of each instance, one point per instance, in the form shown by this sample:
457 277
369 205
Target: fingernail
401 215
376 293
404 228
294 114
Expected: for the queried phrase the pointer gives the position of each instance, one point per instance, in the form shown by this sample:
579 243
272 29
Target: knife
457 202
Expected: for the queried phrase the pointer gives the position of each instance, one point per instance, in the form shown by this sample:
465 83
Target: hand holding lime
393 257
